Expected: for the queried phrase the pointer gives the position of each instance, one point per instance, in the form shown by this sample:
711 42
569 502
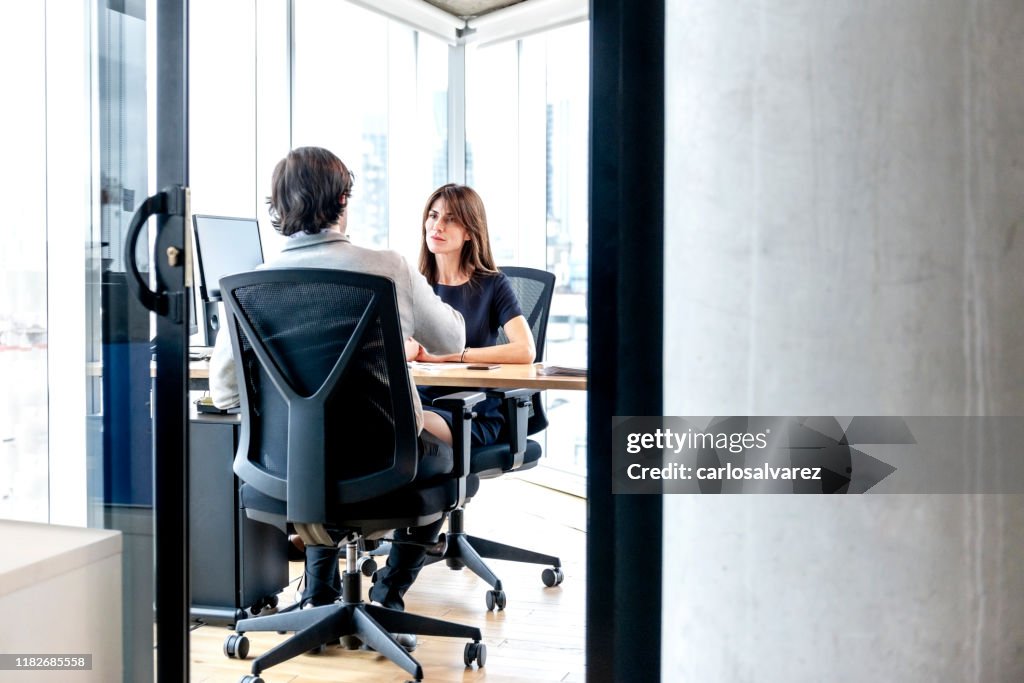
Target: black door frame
172 262
626 295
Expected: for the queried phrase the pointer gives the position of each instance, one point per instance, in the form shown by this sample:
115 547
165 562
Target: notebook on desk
561 371
205 405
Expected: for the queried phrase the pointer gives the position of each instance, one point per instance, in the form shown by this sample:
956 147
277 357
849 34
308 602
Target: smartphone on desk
482 367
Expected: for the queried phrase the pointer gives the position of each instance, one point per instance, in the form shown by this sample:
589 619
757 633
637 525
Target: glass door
137 322
92 316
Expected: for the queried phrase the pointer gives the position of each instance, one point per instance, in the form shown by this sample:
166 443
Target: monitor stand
211 317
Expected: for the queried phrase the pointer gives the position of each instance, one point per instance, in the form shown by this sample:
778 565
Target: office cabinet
236 564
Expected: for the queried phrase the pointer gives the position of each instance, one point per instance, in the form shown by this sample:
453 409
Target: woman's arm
519 349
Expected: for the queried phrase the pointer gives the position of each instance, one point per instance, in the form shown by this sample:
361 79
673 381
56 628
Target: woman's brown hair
465 205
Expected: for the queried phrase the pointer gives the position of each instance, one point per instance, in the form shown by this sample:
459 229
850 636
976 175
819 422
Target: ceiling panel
471 8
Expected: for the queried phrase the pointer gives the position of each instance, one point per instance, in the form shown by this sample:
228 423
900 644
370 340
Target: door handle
170 201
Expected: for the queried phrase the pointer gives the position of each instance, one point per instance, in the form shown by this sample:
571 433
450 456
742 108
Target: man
310 192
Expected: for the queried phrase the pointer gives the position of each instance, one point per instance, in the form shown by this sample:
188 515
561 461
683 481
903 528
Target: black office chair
524 415
329 444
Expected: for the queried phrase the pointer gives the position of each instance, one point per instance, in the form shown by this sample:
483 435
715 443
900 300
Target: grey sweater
427 319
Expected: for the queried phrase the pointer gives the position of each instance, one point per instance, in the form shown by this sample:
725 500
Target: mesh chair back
326 402
534 289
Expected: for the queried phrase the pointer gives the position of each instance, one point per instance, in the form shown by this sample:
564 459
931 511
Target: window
374 92
527 116
23 285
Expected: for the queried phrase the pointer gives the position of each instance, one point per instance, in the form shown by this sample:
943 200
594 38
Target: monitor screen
224 246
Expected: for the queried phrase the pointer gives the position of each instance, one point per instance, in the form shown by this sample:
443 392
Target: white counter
60 594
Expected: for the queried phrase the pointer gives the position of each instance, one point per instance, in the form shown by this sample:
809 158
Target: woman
456 260
455 257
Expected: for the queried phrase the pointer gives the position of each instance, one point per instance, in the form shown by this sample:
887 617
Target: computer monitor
224 246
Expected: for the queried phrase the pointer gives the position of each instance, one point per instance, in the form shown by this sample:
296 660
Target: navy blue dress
486 303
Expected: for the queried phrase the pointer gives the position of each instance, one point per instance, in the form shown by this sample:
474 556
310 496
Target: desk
512 377
505 377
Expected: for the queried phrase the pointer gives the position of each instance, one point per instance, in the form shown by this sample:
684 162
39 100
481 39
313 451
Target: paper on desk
435 367
561 371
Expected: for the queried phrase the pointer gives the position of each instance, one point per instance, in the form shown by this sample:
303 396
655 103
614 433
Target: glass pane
119 414
527 122
384 113
566 125
341 102
492 144
74 345
23 291
222 158
418 134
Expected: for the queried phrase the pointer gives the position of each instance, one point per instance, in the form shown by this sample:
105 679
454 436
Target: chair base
370 624
462 550
353 622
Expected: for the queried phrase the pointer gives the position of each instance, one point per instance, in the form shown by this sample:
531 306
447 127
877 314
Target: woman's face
445 235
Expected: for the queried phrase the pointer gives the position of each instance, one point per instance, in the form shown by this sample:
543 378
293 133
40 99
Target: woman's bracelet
463 356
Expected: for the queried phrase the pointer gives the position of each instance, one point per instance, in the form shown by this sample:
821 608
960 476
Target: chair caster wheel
475 652
367 565
552 577
249 678
495 599
236 646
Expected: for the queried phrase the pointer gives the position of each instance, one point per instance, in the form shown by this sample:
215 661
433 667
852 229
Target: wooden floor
538 637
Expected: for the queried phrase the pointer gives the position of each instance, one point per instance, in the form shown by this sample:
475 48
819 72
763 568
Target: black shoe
322 578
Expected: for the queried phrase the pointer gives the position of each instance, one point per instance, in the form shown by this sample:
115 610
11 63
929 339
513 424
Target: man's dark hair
309 191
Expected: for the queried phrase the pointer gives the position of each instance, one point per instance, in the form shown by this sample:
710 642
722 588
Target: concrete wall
845 193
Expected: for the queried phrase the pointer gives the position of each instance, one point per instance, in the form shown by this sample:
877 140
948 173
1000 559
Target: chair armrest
515 404
461 407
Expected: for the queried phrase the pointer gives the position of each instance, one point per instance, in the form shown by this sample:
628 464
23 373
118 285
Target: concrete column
844 204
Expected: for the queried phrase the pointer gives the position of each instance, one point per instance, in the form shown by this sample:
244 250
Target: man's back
424 316
433 323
